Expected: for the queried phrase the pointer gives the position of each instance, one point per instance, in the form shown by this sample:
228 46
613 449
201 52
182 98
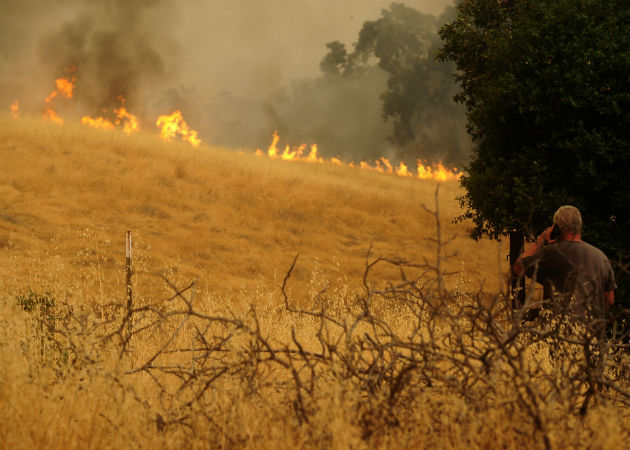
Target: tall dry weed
397 362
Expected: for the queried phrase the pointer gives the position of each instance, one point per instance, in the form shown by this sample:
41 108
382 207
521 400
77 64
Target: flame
98 122
288 154
15 108
128 120
50 115
388 166
171 126
336 161
402 170
312 155
439 172
130 124
382 165
64 87
272 151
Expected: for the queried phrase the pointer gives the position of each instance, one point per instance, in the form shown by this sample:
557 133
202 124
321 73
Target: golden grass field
234 222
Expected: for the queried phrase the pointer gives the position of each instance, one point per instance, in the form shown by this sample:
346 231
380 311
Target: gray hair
569 219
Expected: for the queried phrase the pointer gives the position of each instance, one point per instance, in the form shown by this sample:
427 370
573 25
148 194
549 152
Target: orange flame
439 173
402 170
50 115
336 161
272 151
297 154
15 108
99 122
171 126
65 87
128 120
312 156
382 165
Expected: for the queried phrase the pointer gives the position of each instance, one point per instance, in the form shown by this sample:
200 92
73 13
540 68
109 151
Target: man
576 276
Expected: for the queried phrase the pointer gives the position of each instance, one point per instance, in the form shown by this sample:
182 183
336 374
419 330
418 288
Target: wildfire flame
15 108
64 87
171 126
128 120
436 172
174 124
98 122
291 155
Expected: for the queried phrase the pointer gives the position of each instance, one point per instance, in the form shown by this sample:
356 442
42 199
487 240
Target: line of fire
174 126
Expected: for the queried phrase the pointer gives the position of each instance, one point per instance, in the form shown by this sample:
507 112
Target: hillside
229 364
232 219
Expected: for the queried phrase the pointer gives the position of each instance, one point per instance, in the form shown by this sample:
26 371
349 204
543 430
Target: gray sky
242 46
163 55
248 47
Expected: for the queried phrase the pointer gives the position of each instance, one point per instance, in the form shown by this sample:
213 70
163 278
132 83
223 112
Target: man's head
568 219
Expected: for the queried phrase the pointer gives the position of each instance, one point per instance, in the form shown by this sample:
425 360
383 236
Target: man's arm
609 296
539 243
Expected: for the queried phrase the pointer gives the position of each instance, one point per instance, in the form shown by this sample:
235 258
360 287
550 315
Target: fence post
129 272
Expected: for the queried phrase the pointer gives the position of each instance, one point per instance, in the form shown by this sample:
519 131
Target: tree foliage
545 85
417 99
403 40
388 87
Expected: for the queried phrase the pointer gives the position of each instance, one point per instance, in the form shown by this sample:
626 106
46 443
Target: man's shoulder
591 249
579 251
575 245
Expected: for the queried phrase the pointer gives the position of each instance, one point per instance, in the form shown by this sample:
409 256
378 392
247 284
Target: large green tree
547 94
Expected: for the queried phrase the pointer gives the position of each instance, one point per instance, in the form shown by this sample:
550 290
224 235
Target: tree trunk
517 283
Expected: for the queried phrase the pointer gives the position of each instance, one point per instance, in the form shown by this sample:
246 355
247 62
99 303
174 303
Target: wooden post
517 283
129 272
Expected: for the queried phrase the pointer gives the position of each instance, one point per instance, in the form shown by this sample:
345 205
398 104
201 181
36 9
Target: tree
336 60
389 83
546 89
419 90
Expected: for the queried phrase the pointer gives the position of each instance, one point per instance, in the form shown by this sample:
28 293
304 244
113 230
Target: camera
555 232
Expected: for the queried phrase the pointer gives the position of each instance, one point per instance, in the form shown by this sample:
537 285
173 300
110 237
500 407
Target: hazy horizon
221 63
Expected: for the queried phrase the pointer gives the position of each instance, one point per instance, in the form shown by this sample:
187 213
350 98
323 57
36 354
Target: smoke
112 51
235 69
113 48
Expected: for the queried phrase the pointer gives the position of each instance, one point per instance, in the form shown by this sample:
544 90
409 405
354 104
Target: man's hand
541 241
545 237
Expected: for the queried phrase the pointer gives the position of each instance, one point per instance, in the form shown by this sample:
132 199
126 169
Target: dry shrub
403 363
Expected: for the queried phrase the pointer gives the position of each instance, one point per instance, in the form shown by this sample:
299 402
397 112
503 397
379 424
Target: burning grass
231 219
233 343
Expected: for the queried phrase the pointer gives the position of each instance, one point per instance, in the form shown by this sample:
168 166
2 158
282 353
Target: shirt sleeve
529 265
609 279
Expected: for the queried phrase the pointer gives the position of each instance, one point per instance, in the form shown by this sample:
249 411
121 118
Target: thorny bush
396 356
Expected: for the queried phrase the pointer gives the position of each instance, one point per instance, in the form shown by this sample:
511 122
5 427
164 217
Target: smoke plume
235 69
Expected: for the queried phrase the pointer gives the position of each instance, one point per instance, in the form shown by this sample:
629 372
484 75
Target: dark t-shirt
572 270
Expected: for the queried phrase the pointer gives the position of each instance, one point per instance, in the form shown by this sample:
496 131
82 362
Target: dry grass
69 193
343 357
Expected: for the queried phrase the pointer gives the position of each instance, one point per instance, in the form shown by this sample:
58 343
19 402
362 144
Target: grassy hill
232 219
398 360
